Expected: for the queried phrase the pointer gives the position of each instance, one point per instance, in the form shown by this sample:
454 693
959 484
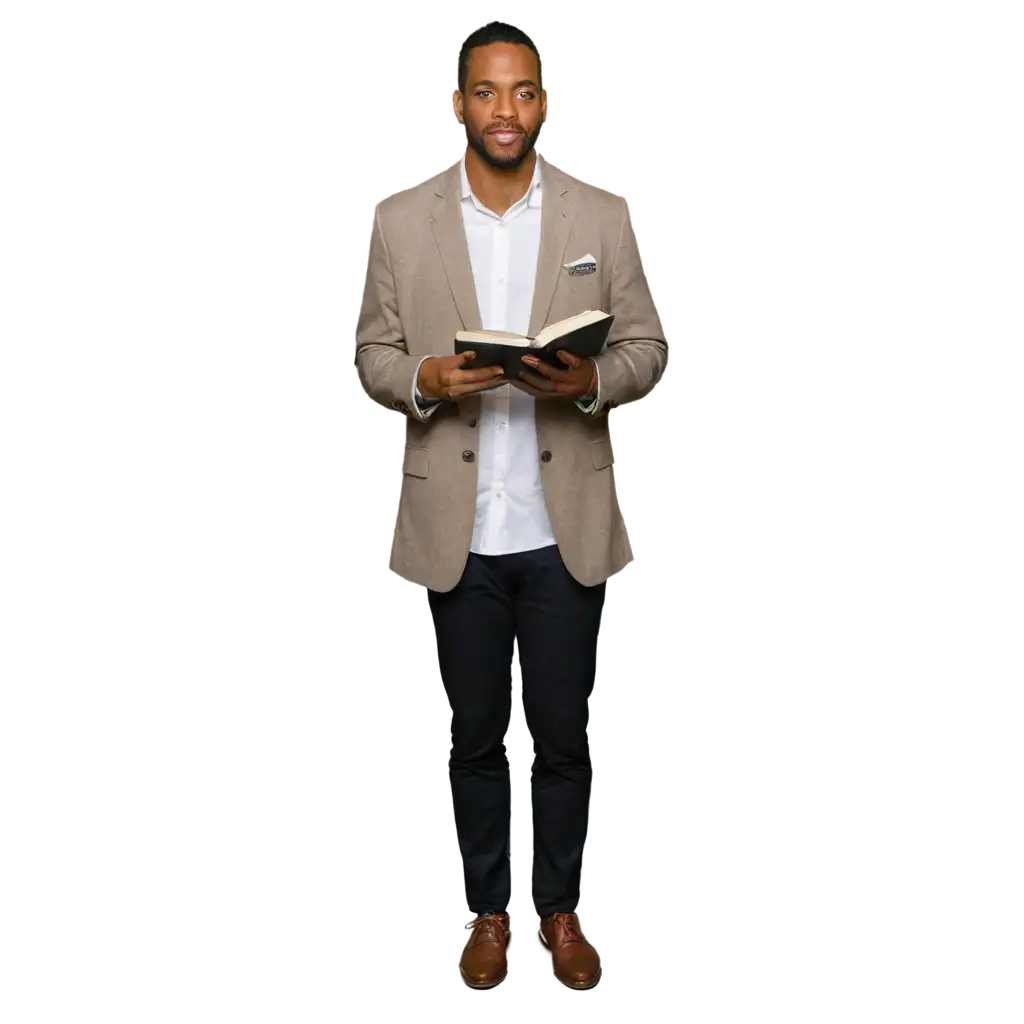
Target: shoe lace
486 923
568 926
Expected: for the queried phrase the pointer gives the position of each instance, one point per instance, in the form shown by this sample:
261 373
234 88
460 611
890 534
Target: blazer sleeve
386 370
636 354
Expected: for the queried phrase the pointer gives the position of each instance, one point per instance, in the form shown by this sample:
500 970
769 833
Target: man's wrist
588 402
416 378
591 392
423 401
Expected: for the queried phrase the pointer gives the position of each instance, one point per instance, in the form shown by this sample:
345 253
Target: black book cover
585 341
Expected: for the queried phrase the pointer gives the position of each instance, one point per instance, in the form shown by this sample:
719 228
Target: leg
557 625
475 627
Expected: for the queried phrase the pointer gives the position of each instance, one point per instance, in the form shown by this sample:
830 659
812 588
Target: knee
478 758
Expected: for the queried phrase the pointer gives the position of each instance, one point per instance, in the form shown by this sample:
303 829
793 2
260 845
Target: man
508 514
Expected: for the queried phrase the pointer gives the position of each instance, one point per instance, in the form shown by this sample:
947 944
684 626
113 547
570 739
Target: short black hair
493 32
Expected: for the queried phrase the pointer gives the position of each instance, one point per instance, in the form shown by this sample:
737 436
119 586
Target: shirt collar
532 193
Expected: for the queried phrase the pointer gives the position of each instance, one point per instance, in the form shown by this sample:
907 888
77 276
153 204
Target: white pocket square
584 265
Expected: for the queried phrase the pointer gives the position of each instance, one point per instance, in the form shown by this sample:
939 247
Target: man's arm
388 373
386 370
635 356
424 404
637 352
590 401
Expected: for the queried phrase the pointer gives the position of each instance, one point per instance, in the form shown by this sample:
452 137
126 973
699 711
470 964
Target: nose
504 109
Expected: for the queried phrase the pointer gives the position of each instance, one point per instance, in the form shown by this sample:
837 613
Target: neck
495 188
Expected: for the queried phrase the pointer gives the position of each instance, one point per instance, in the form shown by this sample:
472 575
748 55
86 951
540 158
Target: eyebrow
524 81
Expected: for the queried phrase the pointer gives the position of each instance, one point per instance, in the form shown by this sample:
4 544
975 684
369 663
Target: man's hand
445 377
578 380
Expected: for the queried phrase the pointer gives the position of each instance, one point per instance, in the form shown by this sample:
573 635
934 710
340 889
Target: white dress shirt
510 511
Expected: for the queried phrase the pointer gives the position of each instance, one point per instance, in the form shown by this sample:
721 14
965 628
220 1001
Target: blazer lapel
556 217
450 236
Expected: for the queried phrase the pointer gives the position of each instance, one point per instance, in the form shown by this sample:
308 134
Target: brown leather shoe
483 963
575 960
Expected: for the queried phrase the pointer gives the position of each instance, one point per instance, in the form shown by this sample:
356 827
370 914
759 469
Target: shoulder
600 201
603 204
418 197
402 218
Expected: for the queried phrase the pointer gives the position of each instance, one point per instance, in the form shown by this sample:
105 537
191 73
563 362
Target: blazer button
472 423
468 456
545 456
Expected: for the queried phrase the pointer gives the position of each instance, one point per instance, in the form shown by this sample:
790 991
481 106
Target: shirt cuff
425 405
588 403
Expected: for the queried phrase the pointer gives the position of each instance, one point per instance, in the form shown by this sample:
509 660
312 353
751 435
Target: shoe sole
577 986
478 985
580 986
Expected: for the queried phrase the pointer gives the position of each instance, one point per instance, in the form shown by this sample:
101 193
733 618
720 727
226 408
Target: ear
457 106
543 105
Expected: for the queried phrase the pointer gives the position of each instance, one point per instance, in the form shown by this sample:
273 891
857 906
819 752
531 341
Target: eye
527 94
483 92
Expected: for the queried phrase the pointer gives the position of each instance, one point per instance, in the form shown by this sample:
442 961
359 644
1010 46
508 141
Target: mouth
505 137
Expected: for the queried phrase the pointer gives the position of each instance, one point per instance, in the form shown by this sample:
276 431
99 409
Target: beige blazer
419 291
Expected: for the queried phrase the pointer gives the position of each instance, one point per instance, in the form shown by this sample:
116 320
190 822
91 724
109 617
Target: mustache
505 128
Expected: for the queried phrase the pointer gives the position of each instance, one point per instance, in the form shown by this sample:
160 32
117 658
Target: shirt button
501 280
468 456
501 426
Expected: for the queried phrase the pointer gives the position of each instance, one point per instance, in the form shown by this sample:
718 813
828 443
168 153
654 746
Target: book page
567 326
494 337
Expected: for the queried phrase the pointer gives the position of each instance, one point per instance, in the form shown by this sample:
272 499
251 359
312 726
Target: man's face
503 107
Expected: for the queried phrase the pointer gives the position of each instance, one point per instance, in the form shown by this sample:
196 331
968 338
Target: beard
503 163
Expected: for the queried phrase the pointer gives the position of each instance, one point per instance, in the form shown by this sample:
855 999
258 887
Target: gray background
221 748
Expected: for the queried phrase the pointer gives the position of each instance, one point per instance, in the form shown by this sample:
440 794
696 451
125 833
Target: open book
584 334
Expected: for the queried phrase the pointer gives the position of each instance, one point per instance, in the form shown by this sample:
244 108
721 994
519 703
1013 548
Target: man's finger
470 376
467 376
540 383
569 358
548 371
457 361
528 389
467 388
553 373
487 384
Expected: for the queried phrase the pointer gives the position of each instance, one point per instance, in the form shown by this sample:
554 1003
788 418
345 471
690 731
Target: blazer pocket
602 453
416 462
